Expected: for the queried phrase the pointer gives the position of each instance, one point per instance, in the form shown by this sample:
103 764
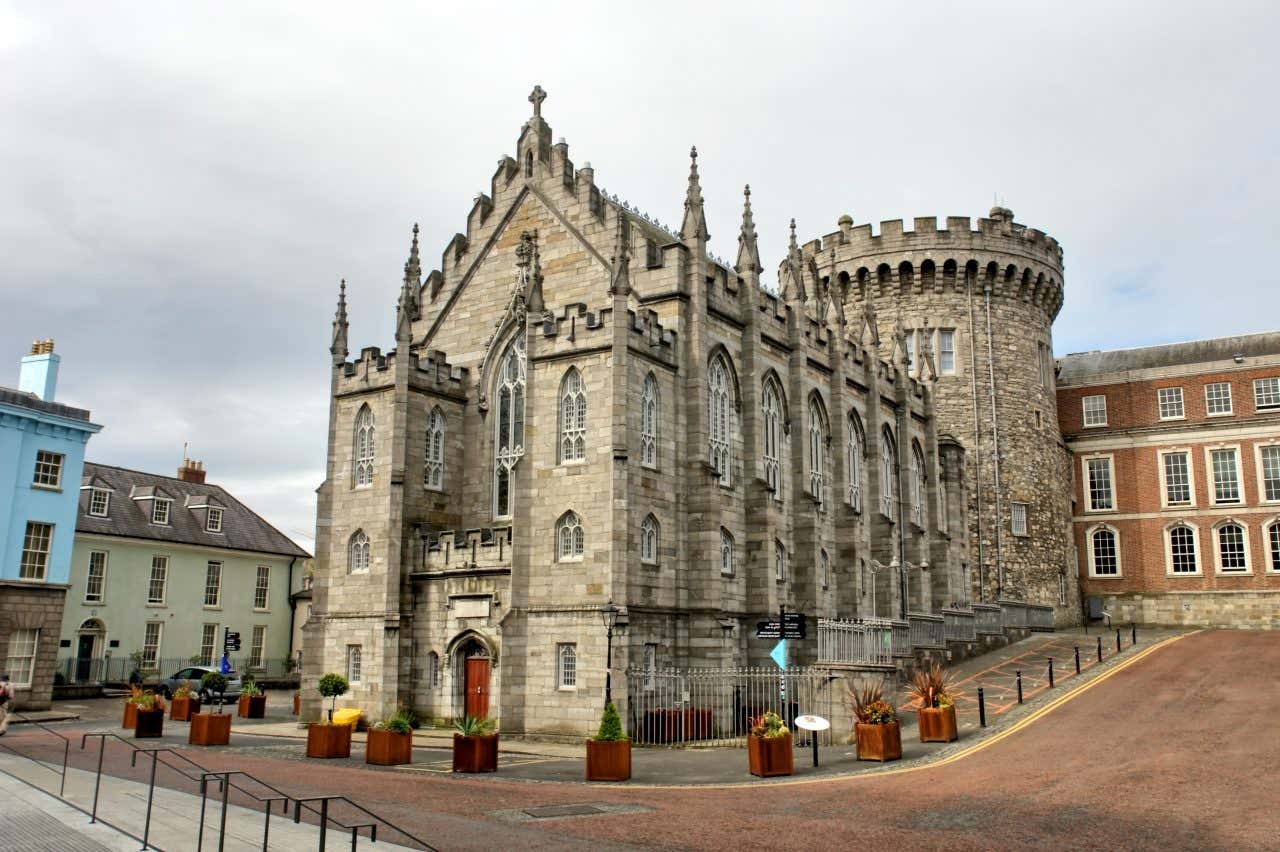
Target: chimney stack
39 372
191 471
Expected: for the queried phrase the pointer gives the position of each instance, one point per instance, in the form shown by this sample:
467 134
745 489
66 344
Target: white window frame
855 461
262 589
1164 477
1258 392
888 473
208 632
650 421
909 344
567 666
16 663
1020 529
918 484
720 419
1270 536
1212 479
151 652
509 389
161 511
37 545
363 452
817 452
771 436
1088 491
358 553
1088 543
780 560
727 555
572 445
1208 400
1085 411
355 663
1217 548
258 646
1258 452
571 538
160 562
213 520
1167 534
94 494
101 597
433 469
824 568
650 538
1174 403
212 581
48 470
944 350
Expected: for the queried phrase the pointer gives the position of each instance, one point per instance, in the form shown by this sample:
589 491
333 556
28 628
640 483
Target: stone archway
473 659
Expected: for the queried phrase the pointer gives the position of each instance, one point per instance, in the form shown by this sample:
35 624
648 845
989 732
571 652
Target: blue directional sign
779 654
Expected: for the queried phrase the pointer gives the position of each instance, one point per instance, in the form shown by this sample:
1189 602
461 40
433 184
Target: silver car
168 686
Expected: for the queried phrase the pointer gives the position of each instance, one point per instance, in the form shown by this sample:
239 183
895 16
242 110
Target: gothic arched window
364 447
726 552
817 450
573 417
917 484
888 472
509 425
824 569
649 540
358 553
779 561
570 538
771 410
719 417
649 422
855 451
433 474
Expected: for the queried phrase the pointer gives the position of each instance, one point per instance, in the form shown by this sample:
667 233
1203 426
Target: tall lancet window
649 422
509 425
771 410
888 472
817 451
718 418
364 447
573 417
917 484
855 451
433 475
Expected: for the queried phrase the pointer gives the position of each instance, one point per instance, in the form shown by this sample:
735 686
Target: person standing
6 696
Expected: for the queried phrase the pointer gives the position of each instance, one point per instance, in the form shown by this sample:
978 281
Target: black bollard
1099 649
1051 672
1077 659
982 708
1133 633
1019 687
1117 641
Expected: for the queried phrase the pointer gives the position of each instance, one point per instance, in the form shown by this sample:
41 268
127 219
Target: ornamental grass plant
867 705
769 726
931 687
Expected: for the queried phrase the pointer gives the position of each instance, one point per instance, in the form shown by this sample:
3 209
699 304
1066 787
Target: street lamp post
609 615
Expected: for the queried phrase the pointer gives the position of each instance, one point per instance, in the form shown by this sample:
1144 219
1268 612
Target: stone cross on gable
536 97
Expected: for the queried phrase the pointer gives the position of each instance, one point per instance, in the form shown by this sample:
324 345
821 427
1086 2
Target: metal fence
927 631
682 707
987 618
117 669
959 625
854 642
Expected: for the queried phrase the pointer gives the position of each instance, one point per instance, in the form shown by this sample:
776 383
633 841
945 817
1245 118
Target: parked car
193 674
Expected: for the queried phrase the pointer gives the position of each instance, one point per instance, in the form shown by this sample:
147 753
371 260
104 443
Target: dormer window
160 511
99 502
213 523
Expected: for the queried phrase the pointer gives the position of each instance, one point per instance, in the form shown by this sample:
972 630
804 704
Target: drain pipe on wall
977 443
995 440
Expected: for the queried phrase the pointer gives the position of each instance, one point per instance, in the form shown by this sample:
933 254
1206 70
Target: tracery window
649 422
888 472
855 451
824 568
817 451
718 417
649 540
509 425
573 417
726 552
917 484
771 410
433 475
779 561
358 553
364 447
570 538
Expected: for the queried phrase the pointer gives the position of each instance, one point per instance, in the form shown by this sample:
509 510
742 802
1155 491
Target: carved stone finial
536 97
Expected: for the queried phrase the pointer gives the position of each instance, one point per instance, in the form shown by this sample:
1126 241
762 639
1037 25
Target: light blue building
42 444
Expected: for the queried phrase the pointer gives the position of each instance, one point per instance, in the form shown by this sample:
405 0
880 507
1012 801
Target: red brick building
1176 464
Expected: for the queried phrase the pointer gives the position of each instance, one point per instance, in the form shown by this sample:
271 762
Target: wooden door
477 685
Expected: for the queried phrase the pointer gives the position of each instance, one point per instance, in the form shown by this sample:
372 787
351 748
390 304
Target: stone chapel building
583 407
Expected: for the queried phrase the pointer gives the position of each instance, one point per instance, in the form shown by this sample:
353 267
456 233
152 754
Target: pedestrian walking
6 695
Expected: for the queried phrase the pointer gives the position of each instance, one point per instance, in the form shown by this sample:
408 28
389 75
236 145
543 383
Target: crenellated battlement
647 326
480 547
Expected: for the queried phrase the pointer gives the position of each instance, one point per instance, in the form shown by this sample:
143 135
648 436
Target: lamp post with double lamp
609 615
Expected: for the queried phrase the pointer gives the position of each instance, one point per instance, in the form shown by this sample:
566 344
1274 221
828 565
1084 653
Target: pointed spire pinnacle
338 345
748 245
407 306
695 220
620 283
413 267
792 246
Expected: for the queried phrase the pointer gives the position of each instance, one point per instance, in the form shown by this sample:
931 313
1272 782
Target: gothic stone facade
582 407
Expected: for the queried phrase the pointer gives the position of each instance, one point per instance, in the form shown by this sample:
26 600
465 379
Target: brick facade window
1225 464
35 551
649 422
1266 394
48 470
1273 546
1269 472
1170 403
433 472
1104 552
1217 398
1181 544
1177 477
21 662
1098 484
99 502
1095 410
1232 543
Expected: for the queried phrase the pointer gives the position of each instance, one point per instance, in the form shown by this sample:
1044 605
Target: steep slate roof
1081 366
242 529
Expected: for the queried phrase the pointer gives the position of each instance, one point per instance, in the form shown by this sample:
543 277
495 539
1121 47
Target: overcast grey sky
183 184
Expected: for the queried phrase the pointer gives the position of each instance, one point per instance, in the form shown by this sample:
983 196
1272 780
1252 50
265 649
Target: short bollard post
1051 672
1077 659
1019 687
1117 641
982 708
1133 633
1099 649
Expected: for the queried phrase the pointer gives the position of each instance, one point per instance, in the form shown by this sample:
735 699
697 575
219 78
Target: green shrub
215 683
474 726
333 685
397 724
250 687
610 726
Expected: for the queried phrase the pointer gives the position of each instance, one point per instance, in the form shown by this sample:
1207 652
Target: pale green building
162 568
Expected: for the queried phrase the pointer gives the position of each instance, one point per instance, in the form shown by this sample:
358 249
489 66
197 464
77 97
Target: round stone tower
976 308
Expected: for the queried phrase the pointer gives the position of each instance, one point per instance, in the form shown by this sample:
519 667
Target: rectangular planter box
938 724
325 741
475 754
210 729
182 709
387 748
253 706
609 761
768 757
150 723
878 742
130 716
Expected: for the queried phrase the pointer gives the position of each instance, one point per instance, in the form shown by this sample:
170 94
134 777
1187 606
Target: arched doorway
474 665
89 640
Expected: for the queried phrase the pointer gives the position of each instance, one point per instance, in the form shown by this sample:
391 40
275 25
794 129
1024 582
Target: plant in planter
253 702
475 746
325 739
769 747
207 728
184 703
931 690
609 752
130 719
390 741
148 715
876 732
